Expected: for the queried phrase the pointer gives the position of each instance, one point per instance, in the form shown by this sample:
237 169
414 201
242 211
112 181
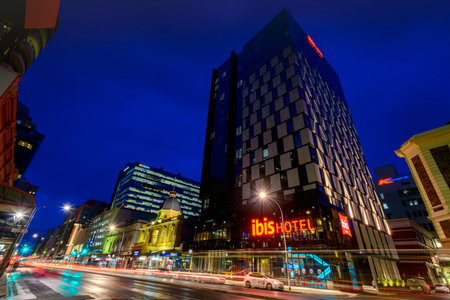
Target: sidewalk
225 286
3 285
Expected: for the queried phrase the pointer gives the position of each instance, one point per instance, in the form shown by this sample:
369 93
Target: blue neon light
398 178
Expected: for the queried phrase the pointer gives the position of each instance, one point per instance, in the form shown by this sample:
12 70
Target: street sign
17 230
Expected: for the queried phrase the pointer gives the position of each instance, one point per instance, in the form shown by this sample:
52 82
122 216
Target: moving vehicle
441 288
262 281
418 285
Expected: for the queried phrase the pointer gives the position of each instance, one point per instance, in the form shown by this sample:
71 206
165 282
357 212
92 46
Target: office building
400 197
23 185
28 139
101 226
144 188
278 123
416 250
48 245
83 216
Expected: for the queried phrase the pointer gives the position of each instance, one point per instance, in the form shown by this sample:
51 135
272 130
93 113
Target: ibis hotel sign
269 227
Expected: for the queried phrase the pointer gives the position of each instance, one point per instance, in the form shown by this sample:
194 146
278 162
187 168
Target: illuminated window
385 206
25 144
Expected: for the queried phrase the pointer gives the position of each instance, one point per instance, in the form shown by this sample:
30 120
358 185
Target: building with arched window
160 243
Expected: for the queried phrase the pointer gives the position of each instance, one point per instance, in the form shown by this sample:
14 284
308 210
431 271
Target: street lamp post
263 196
17 217
67 208
113 227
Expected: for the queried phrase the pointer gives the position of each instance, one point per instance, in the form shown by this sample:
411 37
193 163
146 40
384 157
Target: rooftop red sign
311 42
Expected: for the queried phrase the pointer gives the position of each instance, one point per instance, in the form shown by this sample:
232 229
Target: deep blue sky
128 81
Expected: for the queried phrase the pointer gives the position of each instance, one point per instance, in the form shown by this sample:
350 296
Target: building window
239 131
385 206
265 153
292 110
262 171
25 144
286 100
441 156
239 153
425 180
290 126
252 157
445 225
313 155
297 140
307 122
382 196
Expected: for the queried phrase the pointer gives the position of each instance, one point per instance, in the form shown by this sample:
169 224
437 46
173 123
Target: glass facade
145 189
292 138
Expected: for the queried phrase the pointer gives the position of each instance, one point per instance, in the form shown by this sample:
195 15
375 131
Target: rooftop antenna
173 185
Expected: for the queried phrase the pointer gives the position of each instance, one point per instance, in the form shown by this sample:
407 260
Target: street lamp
18 216
263 196
113 227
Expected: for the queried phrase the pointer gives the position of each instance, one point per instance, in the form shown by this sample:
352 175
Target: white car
262 281
441 288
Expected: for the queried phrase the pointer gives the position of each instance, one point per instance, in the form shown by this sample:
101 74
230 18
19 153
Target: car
260 280
418 285
441 288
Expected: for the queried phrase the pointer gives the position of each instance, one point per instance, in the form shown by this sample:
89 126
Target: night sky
128 81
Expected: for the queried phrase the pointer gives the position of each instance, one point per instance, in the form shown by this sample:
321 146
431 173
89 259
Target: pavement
3 282
60 283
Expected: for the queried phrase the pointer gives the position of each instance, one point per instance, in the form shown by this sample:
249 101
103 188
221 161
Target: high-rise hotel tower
278 123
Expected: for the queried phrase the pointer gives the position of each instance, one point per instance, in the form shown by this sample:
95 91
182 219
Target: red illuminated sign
345 226
311 42
384 181
268 227
391 180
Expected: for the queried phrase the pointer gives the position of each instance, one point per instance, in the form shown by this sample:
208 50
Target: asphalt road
40 283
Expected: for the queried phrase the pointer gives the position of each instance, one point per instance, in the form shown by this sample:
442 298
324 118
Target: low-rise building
161 241
416 250
119 244
428 158
400 197
101 225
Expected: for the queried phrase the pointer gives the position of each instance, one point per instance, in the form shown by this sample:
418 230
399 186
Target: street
40 283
